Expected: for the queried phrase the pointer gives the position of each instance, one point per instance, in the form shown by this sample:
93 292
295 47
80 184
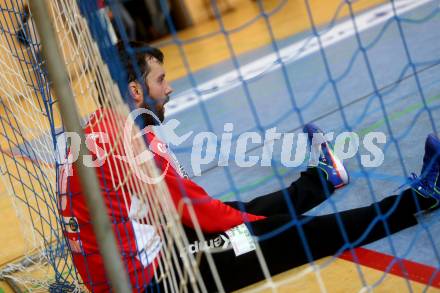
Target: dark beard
148 119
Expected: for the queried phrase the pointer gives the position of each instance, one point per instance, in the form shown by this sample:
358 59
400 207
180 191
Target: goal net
36 155
361 65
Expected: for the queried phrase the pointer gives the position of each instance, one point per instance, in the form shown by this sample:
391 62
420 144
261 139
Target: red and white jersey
127 214
213 215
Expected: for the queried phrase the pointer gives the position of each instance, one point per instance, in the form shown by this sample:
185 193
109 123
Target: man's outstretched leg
286 243
360 226
314 186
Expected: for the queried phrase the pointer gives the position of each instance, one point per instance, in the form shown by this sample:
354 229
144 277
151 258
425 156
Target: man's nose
169 90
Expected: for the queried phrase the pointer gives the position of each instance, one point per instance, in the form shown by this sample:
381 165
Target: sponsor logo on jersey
220 242
75 245
71 224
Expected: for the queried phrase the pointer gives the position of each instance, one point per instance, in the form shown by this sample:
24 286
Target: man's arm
212 214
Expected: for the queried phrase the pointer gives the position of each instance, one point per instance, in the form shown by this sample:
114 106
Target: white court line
289 54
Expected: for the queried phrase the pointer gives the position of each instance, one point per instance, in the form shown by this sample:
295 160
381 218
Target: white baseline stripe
289 54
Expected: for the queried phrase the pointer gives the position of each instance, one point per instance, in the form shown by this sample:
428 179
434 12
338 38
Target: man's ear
135 90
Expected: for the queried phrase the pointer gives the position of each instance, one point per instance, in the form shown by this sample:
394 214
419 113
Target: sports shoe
322 156
428 183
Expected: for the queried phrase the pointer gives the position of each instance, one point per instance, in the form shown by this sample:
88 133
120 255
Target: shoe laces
414 181
426 182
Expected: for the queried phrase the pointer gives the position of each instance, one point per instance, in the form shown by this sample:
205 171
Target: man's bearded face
158 89
159 111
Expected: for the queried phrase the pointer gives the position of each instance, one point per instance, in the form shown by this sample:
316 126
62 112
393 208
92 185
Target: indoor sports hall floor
272 89
404 94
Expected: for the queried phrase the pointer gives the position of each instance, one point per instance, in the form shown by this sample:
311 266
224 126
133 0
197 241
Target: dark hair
142 53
